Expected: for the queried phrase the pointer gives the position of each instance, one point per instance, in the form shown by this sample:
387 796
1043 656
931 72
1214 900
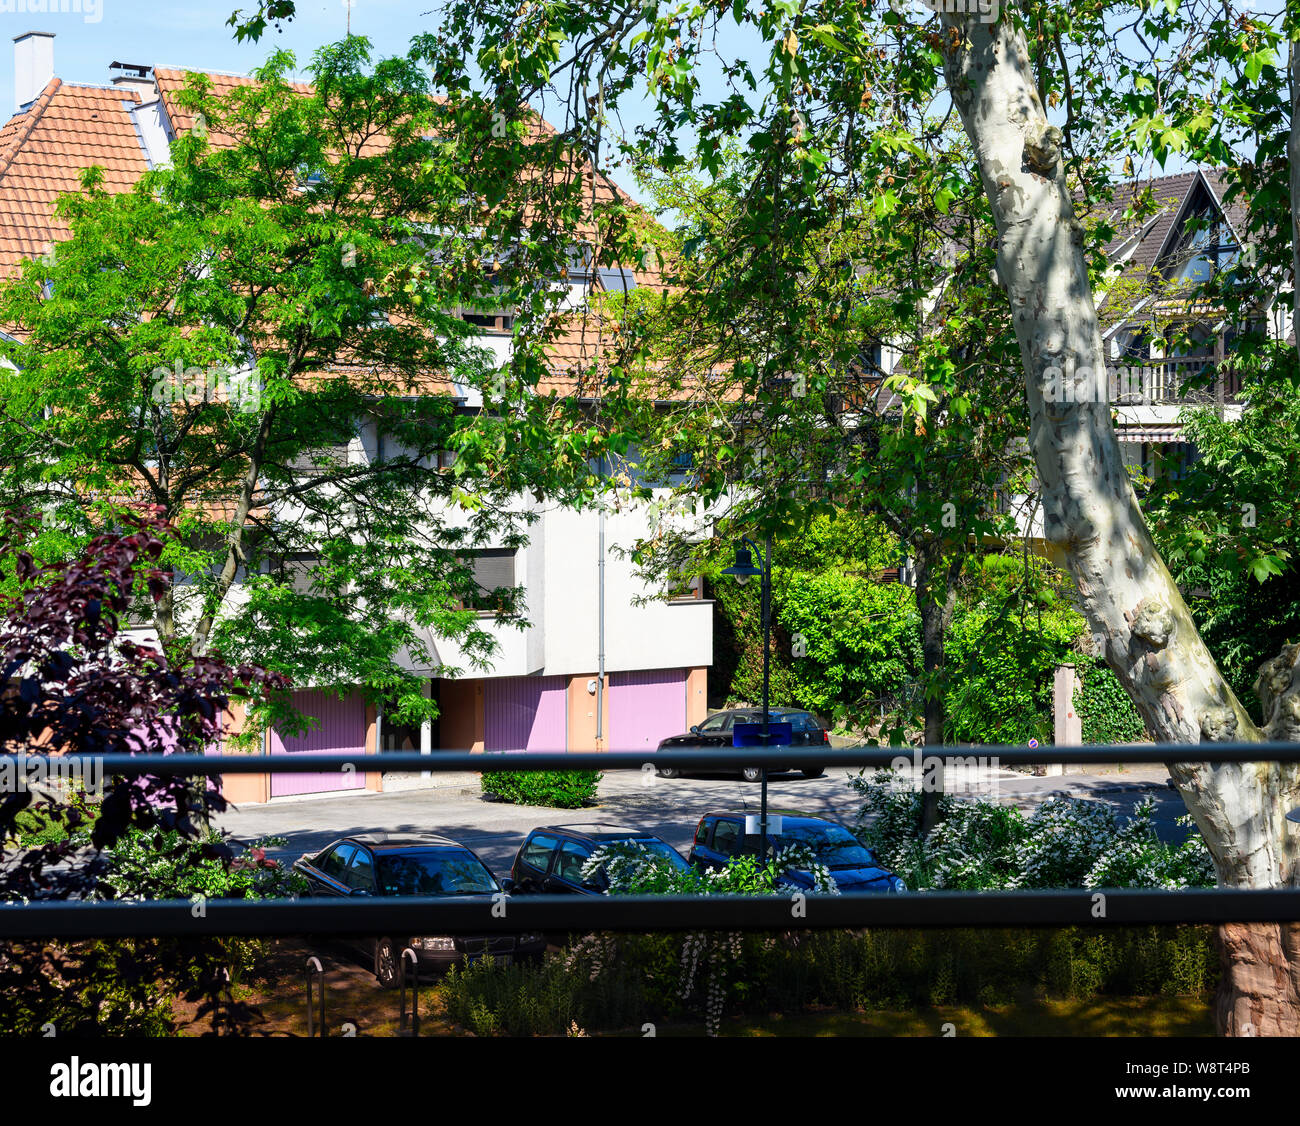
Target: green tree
262 341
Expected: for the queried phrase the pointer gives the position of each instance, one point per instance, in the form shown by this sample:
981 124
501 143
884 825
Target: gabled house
596 669
1160 329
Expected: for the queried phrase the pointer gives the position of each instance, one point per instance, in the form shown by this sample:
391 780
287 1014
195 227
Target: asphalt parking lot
668 808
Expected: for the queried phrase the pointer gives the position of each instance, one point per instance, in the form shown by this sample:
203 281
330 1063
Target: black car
551 858
412 864
718 731
720 838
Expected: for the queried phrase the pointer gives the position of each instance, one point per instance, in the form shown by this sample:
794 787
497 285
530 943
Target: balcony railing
1157 381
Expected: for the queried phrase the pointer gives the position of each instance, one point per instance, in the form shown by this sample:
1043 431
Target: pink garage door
342 728
524 713
645 707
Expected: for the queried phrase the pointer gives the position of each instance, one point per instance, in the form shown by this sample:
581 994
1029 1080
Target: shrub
1063 843
560 789
862 638
1000 674
583 986
161 864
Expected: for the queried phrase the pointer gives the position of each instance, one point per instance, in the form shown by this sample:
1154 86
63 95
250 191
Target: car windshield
658 849
833 846
445 871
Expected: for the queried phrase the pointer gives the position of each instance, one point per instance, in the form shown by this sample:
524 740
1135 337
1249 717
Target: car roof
595 832
770 711
390 842
788 814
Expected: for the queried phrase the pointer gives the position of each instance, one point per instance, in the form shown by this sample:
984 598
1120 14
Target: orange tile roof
43 152
70 128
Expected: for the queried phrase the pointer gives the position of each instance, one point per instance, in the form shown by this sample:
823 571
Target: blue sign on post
751 735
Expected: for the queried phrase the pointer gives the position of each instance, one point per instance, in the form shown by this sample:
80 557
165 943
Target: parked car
720 838
412 864
718 731
551 858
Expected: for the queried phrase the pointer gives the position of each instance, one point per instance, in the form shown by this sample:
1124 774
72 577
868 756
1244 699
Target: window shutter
494 568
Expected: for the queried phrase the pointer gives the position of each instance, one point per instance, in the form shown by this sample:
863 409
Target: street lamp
743 570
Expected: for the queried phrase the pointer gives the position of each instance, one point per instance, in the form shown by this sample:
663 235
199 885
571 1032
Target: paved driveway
669 808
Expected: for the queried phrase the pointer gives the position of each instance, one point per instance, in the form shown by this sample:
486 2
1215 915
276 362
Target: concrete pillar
1066 724
697 703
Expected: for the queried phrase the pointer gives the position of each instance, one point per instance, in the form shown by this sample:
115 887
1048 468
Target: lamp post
743 569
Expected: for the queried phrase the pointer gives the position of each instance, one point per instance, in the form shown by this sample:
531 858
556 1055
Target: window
444 871
298 571
572 857
336 863
579 264
693 590
702 832
490 322
719 722
537 853
361 873
494 572
616 279
1207 246
726 837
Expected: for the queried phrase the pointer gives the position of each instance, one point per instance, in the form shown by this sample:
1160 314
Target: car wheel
386 963
814 772
752 774
668 772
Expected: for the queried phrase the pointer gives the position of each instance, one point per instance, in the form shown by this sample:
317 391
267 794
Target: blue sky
91 34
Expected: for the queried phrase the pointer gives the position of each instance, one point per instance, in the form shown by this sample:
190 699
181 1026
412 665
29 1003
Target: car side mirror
358 891
695 728
507 885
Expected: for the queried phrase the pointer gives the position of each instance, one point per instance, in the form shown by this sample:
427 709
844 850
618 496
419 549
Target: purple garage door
525 713
342 728
645 707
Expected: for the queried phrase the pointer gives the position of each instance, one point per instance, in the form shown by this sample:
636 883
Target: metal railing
1160 381
504 914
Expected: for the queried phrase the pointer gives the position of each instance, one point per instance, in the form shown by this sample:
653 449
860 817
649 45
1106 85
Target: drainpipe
600 614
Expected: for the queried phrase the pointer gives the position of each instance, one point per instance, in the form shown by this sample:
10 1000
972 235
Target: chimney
136 77
33 65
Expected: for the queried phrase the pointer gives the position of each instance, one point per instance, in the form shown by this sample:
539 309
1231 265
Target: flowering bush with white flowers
1064 843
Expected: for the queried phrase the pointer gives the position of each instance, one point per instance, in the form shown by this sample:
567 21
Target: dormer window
1208 246
616 279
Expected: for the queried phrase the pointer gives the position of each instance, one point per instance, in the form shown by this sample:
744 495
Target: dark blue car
720 838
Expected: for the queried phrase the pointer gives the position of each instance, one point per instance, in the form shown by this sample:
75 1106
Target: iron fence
502 913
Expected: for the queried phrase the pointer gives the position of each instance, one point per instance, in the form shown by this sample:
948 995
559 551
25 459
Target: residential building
597 668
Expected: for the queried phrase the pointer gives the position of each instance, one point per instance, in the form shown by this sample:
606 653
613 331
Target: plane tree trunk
1093 521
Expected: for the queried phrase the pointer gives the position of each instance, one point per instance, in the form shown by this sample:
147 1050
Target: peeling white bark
1092 518
1091 514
